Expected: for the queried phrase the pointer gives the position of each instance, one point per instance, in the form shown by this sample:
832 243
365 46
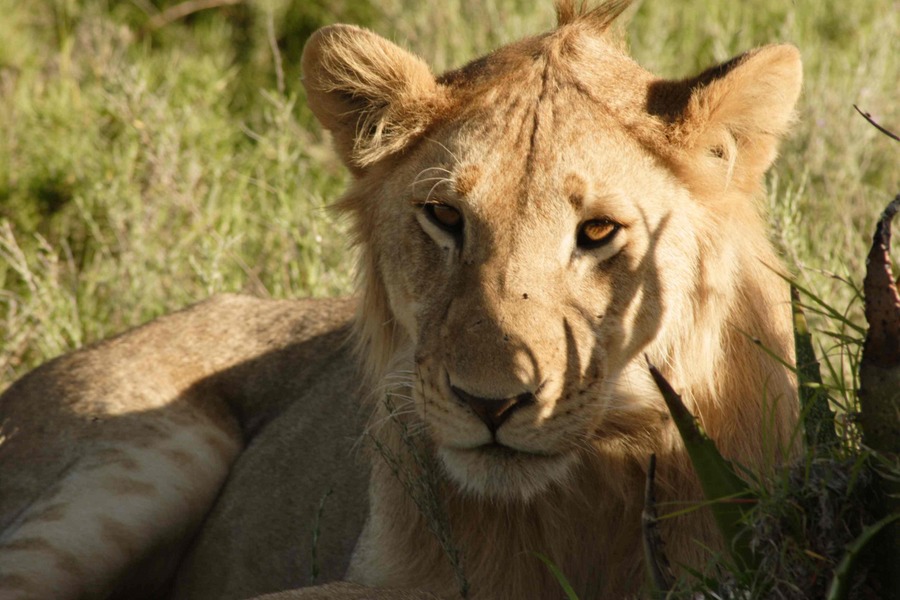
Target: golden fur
510 307
525 144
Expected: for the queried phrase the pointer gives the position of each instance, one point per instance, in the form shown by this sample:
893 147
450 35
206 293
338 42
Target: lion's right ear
374 97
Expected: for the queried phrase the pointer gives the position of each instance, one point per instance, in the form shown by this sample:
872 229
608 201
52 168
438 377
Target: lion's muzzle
494 411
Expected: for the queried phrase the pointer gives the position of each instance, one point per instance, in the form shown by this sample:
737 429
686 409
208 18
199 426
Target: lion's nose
493 411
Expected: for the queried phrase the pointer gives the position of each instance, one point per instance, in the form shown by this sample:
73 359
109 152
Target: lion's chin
502 473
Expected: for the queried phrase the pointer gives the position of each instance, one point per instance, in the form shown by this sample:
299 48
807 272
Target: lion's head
534 224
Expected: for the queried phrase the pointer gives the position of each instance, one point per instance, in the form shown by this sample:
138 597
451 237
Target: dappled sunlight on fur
525 145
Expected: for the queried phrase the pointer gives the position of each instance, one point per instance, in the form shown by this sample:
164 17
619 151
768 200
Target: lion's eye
596 233
446 217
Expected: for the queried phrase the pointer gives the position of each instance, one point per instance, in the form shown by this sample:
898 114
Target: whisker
438 179
419 175
428 195
442 145
427 169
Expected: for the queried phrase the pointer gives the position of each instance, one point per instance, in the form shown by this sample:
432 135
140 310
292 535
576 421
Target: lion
533 228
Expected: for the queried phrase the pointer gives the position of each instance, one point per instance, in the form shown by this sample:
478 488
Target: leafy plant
727 493
834 477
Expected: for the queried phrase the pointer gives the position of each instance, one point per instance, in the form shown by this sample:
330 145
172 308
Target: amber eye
596 233
446 217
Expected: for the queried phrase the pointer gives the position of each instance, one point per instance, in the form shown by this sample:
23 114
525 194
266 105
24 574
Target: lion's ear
372 95
730 118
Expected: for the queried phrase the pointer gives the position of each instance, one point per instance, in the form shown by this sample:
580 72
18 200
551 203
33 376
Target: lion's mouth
497 449
501 471
501 451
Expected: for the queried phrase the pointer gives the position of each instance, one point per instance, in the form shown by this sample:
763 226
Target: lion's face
528 285
535 223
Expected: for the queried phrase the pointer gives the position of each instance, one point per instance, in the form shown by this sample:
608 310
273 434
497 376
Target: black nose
493 411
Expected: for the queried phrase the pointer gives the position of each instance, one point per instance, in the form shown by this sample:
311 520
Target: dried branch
868 117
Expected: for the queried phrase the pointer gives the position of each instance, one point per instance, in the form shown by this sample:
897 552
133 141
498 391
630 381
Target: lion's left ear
373 96
730 118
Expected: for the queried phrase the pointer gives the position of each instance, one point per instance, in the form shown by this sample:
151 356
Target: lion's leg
124 509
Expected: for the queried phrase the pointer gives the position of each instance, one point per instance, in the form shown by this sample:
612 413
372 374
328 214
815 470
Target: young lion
533 228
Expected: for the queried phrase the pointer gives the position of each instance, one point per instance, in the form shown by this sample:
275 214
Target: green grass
803 530
143 170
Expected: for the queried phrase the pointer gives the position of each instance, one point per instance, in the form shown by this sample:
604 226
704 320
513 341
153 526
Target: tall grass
142 170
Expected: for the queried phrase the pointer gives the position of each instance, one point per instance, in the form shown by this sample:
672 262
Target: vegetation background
150 158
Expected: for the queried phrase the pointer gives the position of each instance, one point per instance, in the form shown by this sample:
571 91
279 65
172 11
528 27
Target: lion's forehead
585 168
535 130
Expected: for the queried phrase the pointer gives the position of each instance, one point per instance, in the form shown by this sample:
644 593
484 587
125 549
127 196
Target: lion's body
533 228
119 451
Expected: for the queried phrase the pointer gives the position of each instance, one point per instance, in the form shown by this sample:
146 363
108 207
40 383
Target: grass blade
721 484
826 310
818 418
658 569
563 582
843 574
